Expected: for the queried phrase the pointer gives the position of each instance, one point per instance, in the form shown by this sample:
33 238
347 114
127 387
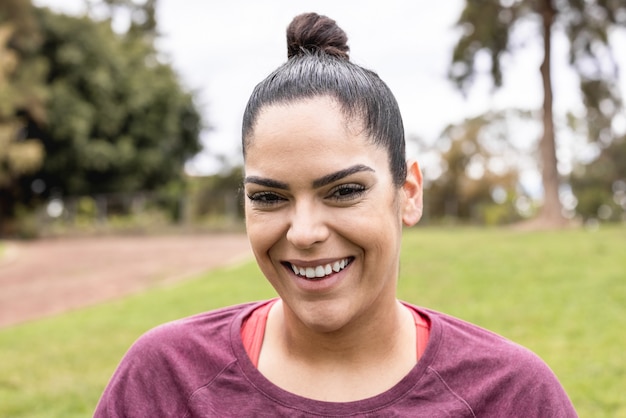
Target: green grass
562 294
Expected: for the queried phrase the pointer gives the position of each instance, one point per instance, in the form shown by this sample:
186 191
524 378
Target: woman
327 193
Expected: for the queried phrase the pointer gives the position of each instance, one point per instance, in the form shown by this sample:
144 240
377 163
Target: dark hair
319 65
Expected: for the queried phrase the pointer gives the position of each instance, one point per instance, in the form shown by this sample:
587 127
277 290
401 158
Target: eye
265 198
347 192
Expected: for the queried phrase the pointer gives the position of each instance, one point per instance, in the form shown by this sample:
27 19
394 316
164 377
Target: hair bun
310 32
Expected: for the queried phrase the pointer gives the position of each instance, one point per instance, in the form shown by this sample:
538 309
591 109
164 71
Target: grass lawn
562 294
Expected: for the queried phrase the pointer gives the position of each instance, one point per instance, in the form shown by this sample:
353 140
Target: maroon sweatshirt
198 367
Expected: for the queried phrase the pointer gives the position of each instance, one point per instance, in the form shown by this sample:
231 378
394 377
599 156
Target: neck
373 336
356 362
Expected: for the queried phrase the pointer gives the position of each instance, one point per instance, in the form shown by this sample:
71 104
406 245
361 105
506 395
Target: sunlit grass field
562 294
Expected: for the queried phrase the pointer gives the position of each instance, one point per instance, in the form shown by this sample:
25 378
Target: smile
321 271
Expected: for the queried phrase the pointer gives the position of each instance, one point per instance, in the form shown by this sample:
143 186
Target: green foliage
478 160
217 196
561 294
489 26
485 27
142 15
492 28
600 186
119 120
115 119
22 98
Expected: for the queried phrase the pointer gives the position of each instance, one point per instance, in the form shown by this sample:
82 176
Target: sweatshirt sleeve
495 377
538 393
145 382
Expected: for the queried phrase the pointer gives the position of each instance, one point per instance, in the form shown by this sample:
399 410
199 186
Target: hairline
352 118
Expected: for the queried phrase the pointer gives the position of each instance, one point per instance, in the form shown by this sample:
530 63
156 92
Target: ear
412 188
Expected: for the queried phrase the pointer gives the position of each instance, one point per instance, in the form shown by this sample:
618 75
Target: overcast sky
223 49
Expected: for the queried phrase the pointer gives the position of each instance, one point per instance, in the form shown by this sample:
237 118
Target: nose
307 226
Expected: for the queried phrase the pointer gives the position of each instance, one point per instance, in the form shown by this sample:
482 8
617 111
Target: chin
322 316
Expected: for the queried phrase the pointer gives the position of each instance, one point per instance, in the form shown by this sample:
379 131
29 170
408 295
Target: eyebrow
338 175
261 181
320 182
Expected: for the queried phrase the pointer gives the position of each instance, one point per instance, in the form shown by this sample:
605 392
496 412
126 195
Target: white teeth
320 271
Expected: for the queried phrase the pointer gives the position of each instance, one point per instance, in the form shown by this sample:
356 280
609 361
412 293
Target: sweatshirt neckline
312 406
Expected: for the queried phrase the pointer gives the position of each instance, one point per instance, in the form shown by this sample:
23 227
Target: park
562 294
119 211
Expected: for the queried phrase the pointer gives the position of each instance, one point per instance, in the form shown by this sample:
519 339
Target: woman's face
323 216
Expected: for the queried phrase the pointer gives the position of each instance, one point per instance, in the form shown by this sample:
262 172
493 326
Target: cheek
376 231
263 232
381 215
379 228
255 236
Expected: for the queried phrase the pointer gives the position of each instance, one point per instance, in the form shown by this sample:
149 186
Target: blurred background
120 134
120 115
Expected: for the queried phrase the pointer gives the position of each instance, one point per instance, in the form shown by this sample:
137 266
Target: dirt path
47 277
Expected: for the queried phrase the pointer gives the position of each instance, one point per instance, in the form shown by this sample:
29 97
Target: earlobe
413 203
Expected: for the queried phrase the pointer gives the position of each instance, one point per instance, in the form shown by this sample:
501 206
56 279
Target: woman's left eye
347 192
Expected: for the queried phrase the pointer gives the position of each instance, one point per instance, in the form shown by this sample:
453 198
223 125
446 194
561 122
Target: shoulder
466 351
206 335
168 363
464 337
192 330
492 374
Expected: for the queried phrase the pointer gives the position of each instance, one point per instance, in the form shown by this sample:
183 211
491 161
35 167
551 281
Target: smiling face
323 216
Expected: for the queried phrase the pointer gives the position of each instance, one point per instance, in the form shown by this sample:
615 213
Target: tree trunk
551 214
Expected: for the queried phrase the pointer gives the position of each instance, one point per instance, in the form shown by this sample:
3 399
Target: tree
218 196
22 97
118 119
488 27
142 14
600 185
480 171
105 115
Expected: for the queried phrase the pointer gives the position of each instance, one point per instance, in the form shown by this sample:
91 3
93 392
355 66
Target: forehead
307 121
311 134
302 112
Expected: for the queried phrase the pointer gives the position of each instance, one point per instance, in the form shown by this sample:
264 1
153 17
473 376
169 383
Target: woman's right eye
265 198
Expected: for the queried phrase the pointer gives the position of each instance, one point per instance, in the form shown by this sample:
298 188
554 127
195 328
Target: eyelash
342 193
347 192
265 198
